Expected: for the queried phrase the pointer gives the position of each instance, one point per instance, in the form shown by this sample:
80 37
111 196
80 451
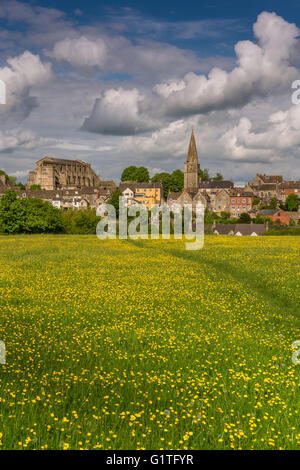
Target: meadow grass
142 345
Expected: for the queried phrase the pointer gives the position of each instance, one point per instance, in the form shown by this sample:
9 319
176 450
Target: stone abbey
57 173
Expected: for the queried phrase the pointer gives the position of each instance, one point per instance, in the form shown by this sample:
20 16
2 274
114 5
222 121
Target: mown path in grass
129 344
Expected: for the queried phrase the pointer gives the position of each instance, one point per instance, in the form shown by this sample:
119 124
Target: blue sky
119 83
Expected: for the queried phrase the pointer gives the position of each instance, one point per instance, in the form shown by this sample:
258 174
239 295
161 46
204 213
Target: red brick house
240 201
287 188
274 215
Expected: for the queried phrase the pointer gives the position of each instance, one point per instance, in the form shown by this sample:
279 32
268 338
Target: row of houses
218 196
267 187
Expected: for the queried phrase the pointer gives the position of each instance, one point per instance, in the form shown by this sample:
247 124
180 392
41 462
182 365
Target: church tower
191 168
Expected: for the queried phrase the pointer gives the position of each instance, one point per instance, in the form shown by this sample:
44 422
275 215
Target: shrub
82 221
28 215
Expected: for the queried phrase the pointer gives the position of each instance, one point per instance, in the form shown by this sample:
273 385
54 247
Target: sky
123 83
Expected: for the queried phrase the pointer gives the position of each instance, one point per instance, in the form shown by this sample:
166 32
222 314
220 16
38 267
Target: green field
144 345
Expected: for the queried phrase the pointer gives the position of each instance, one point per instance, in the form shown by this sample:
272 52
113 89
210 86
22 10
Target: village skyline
127 83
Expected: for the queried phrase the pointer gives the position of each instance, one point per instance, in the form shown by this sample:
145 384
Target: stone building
192 168
219 201
69 198
265 187
260 180
287 188
5 184
146 194
214 186
57 173
240 201
191 193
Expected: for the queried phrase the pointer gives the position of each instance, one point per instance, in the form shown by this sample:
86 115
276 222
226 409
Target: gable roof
222 184
148 185
290 185
173 195
269 211
224 229
243 229
268 187
124 186
269 179
248 229
61 160
239 192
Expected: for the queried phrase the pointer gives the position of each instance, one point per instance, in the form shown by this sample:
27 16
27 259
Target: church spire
192 155
191 168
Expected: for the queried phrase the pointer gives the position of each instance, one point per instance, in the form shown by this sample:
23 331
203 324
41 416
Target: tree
82 221
35 187
245 218
204 175
225 215
218 177
28 215
209 216
273 203
21 185
128 174
133 173
177 181
114 200
12 179
166 181
3 173
12 214
41 217
142 175
292 202
256 201
173 182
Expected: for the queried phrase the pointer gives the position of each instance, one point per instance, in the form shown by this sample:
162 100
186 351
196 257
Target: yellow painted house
148 194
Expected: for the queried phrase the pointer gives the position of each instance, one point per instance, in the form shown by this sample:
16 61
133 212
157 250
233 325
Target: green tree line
32 215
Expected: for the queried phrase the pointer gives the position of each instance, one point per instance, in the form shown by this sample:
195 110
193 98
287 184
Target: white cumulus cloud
20 75
262 68
119 112
81 52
